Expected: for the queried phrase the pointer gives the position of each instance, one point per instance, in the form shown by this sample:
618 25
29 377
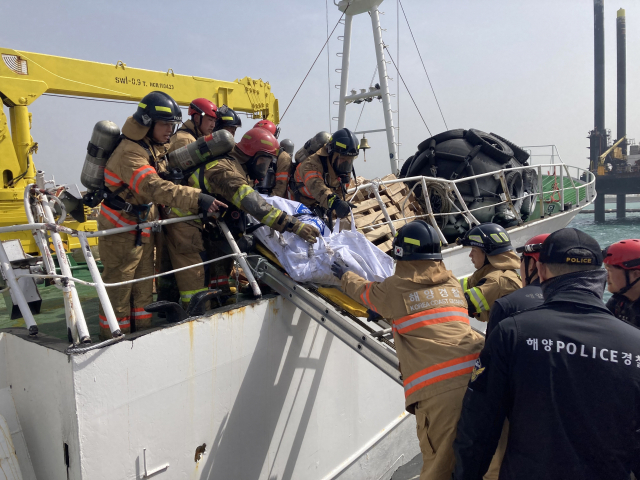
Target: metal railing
38 203
584 191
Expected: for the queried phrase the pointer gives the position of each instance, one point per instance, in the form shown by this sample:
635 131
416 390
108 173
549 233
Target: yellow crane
25 76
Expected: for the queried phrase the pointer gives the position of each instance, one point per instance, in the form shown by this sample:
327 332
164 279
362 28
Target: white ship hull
269 392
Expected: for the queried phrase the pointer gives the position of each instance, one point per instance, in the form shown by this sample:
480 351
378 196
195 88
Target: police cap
571 246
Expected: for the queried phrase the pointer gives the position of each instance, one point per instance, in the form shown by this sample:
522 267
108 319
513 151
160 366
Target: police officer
530 295
435 344
321 180
563 373
230 176
134 187
622 261
496 268
281 171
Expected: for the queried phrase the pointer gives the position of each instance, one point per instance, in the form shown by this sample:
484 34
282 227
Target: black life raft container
457 154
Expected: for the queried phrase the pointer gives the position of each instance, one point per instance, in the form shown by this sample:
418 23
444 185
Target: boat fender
202 150
105 137
455 134
491 146
425 159
518 152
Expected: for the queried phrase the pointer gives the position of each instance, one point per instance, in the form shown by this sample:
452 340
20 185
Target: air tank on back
312 146
202 150
287 146
104 139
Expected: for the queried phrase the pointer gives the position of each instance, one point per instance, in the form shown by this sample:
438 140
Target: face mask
343 165
261 165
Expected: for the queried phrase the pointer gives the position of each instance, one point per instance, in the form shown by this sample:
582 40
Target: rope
405 86
313 64
423 66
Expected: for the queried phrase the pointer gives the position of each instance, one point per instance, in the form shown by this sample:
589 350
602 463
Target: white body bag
307 263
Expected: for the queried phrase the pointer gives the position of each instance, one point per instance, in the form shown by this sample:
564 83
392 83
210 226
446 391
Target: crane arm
24 76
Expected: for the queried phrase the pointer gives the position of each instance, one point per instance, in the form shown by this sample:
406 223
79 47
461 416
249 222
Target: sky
522 69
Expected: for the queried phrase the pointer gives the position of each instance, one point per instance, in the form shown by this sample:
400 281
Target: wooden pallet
368 212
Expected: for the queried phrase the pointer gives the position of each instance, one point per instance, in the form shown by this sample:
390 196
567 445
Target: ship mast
352 8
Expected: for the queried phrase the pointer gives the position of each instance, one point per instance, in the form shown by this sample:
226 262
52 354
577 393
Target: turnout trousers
436 421
186 247
123 261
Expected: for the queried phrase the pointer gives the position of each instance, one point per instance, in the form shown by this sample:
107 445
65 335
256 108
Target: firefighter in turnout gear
227 120
436 346
496 266
622 261
132 180
283 164
321 180
566 375
230 176
283 168
204 117
530 295
183 244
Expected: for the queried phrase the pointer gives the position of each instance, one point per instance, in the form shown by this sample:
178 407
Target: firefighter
181 244
134 187
622 261
565 374
227 177
228 120
436 347
530 295
283 164
320 181
496 268
204 117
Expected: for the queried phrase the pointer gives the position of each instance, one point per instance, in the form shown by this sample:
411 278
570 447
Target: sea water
613 229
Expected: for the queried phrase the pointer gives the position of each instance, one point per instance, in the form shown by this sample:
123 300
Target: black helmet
157 106
227 118
491 238
288 146
343 142
417 241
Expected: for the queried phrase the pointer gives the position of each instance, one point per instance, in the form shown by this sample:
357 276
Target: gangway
364 340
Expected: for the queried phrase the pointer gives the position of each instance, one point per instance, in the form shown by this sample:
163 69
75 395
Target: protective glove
209 204
339 270
341 207
373 316
307 232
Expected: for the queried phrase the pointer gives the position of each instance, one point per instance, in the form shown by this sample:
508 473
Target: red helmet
537 240
624 254
203 107
258 140
268 125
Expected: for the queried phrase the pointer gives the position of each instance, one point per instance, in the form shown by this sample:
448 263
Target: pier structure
616 163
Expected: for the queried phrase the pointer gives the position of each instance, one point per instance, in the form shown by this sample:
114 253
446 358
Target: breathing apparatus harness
114 201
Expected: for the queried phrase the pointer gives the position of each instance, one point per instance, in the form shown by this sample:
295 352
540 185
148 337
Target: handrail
467 213
37 201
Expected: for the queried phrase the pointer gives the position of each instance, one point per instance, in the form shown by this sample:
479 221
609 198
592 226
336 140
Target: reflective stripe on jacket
434 341
491 282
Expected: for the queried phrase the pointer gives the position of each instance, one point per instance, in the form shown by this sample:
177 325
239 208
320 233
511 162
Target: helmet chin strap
629 285
529 276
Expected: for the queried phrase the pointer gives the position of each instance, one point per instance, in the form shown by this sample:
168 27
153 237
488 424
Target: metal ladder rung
362 342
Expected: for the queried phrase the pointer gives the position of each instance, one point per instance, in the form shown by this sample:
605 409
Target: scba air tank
104 139
202 150
312 146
